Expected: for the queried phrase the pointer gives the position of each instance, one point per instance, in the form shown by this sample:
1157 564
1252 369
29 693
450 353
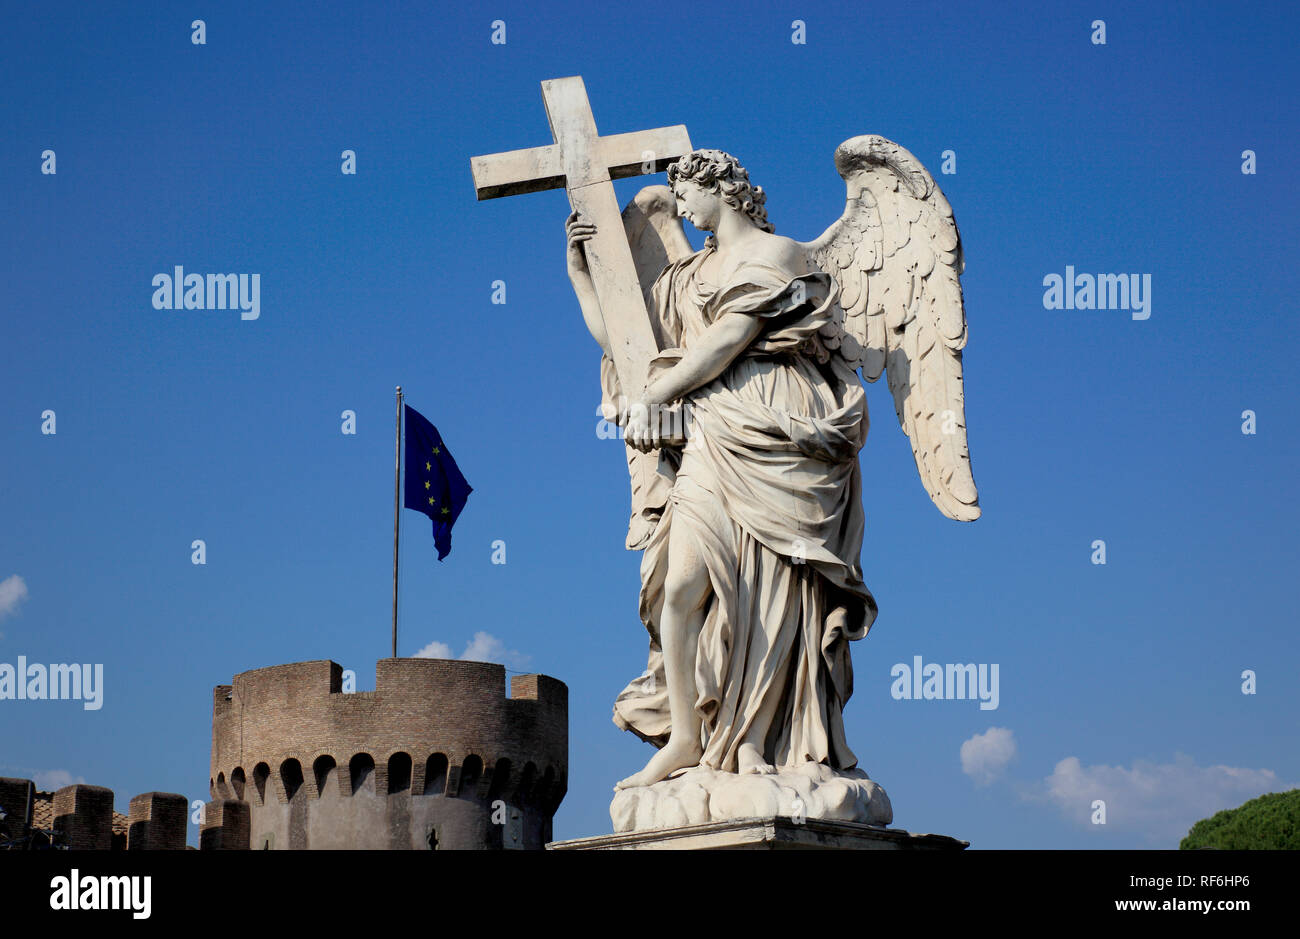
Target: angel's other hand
637 432
578 230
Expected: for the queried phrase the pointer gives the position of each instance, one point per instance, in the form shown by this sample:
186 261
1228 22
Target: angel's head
704 181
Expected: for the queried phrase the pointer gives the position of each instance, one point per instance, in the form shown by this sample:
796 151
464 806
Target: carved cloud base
702 795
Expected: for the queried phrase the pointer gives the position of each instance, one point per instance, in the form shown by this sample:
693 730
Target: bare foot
750 760
675 755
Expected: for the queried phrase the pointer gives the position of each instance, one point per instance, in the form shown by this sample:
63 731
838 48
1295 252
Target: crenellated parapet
81 817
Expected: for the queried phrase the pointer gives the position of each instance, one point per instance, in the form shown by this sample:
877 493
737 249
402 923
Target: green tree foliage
1271 822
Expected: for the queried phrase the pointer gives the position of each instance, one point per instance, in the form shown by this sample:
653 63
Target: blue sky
1120 682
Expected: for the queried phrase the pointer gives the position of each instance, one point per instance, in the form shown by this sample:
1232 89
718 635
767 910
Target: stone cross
585 164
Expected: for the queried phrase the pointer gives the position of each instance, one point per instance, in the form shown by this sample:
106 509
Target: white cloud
1158 800
484 647
51 780
985 756
13 591
435 650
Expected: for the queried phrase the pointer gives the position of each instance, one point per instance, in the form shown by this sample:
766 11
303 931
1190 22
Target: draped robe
768 487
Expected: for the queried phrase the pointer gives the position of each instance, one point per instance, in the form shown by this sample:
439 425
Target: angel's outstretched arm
708 357
579 230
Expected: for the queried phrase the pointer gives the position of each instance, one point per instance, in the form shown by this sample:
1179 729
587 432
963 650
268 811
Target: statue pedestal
774 833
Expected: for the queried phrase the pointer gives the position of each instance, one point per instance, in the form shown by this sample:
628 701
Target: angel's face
697 205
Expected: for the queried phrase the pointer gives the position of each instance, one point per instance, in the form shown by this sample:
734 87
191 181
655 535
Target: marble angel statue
751 522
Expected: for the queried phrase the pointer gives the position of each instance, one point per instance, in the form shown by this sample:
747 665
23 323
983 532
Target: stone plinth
225 826
83 817
158 822
16 798
775 833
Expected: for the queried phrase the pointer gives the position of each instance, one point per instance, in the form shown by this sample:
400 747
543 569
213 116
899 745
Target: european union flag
434 484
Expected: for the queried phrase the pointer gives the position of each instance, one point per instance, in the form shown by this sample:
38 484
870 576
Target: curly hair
716 171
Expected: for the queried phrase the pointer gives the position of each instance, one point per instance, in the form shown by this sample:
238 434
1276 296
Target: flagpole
397 507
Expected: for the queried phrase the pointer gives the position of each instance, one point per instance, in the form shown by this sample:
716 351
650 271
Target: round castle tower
435 757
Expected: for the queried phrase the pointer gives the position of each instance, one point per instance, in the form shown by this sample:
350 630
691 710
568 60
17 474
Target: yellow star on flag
431 500
436 451
446 511
428 466
427 484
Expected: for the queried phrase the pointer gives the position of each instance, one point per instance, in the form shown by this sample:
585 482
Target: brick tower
435 757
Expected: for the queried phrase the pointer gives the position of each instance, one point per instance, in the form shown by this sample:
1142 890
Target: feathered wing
897 257
657 239
654 233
